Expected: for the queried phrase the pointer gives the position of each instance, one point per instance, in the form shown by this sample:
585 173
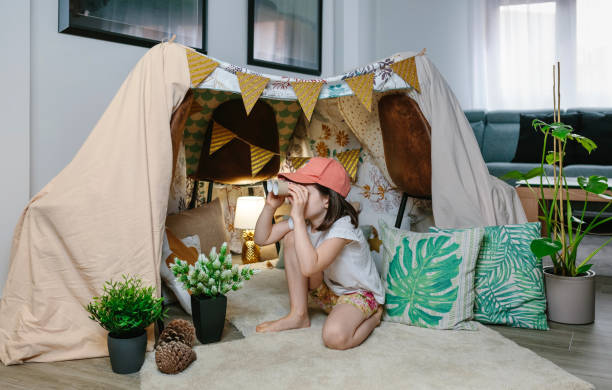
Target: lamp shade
248 209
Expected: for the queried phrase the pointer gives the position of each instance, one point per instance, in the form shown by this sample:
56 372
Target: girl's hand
274 201
298 195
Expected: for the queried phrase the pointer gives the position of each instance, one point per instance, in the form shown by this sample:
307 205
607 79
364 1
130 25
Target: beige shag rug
395 356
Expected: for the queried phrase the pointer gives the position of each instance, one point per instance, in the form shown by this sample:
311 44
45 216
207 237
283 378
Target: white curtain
514 44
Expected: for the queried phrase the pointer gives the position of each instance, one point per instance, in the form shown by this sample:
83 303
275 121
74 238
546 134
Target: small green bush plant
126 308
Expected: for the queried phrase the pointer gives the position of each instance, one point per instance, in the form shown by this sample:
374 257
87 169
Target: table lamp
248 209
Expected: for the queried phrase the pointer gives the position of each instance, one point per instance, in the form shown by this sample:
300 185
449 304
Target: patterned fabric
307 93
349 161
408 71
362 86
509 281
200 66
429 277
251 87
325 298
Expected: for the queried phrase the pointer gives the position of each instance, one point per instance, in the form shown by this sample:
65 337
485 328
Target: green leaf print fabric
429 277
509 280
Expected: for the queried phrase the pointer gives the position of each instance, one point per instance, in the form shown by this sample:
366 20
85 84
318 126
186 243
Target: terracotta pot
127 354
208 315
570 300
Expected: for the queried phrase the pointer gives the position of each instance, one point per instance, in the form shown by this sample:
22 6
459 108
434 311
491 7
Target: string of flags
307 91
349 160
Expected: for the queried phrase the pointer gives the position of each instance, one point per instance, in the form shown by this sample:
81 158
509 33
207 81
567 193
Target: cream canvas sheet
100 217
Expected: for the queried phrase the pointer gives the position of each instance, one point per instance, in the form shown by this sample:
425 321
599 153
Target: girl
326 255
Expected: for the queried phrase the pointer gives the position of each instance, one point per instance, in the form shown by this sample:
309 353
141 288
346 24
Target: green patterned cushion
509 284
429 277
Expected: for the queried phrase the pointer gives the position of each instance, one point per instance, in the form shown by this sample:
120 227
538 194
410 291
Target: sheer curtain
514 44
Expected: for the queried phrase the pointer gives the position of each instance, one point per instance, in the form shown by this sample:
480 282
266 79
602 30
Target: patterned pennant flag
220 136
200 67
407 70
298 162
349 160
307 93
362 87
251 86
259 158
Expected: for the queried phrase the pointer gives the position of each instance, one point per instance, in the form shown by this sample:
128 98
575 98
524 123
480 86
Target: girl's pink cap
324 171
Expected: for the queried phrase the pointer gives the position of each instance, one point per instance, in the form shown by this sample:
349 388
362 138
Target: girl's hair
338 207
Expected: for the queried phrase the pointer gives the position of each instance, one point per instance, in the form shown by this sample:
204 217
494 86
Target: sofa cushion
598 127
576 170
529 149
499 142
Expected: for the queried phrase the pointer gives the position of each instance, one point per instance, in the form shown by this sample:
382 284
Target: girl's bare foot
288 322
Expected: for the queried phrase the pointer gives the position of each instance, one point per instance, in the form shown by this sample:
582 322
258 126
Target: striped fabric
407 70
200 67
220 136
251 87
362 87
307 93
259 158
349 161
298 162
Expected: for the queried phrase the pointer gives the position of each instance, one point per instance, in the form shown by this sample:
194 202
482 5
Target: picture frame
286 35
141 23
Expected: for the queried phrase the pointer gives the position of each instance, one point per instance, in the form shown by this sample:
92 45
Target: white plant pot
571 300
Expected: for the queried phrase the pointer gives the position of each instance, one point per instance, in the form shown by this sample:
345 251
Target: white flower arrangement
211 276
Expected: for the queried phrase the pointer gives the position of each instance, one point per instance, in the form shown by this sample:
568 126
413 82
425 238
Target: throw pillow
597 127
429 277
509 280
205 221
529 148
187 249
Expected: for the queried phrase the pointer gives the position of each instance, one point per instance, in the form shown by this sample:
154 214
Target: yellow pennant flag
349 160
200 66
220 136
407 70
251 86
362 87
259 158
307 93
298 162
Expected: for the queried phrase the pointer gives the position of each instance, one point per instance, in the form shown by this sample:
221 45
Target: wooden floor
585 351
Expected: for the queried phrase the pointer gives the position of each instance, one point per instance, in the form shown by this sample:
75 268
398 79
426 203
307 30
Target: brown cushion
205 221
180 250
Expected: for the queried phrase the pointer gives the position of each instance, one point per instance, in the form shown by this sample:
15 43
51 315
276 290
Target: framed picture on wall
136 22
285 34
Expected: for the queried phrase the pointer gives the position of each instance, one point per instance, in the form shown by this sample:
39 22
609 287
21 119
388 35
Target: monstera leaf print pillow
429 277
509 280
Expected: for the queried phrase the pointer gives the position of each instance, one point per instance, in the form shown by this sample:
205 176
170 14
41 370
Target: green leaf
560 131
586 143
594 184
516 175
583 269
545 247
420 280
553 158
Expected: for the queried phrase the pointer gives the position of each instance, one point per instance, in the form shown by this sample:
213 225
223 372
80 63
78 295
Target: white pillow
168 277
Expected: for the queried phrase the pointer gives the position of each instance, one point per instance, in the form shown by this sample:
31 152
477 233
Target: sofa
503 136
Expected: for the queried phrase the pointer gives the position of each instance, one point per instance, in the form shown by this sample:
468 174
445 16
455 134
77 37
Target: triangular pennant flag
307 93
251 86
220 136
200 66
349 160
362 87
407 70
259 158
298 162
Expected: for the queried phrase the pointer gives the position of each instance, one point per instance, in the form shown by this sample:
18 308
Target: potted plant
570 283
208 280
126 309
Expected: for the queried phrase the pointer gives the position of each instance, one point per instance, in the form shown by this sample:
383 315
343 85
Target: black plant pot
208 317
127 354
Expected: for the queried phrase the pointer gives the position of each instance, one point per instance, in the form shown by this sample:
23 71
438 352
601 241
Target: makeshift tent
104 214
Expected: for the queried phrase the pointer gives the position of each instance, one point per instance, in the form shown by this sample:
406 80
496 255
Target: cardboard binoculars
278 187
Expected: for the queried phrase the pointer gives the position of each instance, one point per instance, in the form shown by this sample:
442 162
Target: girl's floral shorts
326 299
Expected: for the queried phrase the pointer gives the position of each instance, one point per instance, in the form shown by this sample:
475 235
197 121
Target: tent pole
194 194
400 212
210 188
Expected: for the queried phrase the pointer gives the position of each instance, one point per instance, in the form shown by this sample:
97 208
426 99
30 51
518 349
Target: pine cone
171 334
184 328
173 357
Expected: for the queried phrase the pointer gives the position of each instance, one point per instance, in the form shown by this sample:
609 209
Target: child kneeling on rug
327 258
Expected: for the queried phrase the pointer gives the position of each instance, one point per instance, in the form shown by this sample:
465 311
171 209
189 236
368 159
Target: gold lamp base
250 250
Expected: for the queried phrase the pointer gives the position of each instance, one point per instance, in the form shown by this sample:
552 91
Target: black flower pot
127 354
208 317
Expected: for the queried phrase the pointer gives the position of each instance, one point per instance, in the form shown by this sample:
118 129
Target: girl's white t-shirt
354 269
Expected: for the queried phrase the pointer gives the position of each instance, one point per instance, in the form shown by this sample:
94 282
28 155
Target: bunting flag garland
220 136
407 70
362 87
307 93
259 158
298 162
200 67
349 160
251 86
